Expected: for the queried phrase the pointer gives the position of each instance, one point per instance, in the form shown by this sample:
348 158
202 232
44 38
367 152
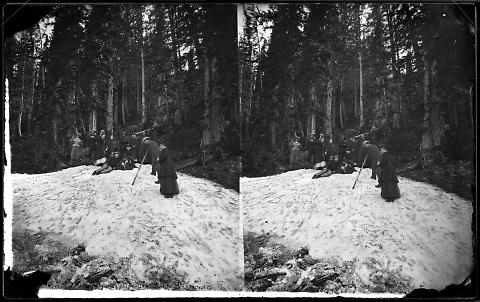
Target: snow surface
426 233
198 228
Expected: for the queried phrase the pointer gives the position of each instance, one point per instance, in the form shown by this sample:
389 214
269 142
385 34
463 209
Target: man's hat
145 138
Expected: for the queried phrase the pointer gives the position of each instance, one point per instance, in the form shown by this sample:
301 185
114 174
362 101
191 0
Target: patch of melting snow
112 216
428 228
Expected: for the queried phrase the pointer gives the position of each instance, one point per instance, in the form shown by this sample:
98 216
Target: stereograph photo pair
300 149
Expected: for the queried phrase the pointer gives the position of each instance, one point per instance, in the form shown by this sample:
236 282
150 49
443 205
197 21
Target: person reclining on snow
113 163
324 172
346 167
334 166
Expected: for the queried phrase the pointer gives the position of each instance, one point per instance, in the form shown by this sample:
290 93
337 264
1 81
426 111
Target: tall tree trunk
32 101
356 96
385 103
115 107
109 120
313 123
273 131
327 122
334 108
396 72
92 125
20 114
55 131
206 113
360 95
144 104
311 127
341 105
432 121
138 95
94 119
213 118
124 100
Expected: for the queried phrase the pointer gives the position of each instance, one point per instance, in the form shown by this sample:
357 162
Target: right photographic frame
358 147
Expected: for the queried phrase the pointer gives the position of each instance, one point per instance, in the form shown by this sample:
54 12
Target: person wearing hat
311 149
150 150
123 141
295 153
92 144
76 151
388 176
167 175
112 163
98 148
319 149
324 171
334 164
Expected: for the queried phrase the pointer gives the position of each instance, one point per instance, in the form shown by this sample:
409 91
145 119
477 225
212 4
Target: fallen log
268 274
190 164
410 167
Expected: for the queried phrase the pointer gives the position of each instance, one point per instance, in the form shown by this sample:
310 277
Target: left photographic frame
122 145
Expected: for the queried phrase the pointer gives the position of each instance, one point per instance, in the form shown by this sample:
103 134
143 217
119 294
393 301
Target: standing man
373 153
319 149
92 145
167 175
152 150
295 153
76 151
388 176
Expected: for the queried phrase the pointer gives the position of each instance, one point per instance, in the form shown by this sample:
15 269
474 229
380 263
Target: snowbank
426 233
198 228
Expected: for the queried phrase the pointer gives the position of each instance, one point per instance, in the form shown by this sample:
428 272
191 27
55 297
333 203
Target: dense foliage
115 67
405 69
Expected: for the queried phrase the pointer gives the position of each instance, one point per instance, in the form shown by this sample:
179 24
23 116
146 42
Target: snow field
198 228
426 233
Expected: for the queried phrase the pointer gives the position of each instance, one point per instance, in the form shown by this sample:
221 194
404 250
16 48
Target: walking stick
360 170
139 167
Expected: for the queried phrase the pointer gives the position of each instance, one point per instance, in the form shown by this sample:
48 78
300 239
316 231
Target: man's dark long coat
319 152
99 149
388 177
167 174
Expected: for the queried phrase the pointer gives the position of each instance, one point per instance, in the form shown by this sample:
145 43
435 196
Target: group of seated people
325 155
334 165
110 153
117 161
